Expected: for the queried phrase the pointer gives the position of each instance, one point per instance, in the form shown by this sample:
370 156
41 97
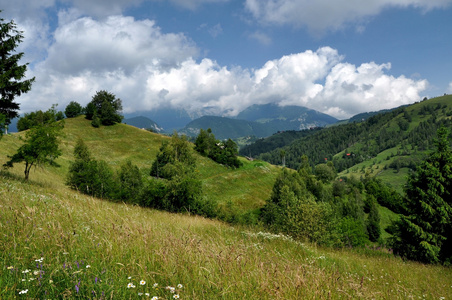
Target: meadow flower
147 294
26 271
23 292
130 285
142 282
140 294
88 266
179 286
10 268
176 296
155 298
155 285
36 273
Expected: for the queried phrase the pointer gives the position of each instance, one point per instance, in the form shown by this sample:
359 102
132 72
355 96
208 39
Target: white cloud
449 90
148 69
323 15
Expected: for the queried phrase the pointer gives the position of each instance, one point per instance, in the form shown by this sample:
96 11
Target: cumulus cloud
149 69
323 15
449 90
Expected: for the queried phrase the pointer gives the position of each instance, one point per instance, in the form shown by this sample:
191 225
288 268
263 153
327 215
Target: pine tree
11 73
426 233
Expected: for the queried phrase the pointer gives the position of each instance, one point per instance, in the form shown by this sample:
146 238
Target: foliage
41 145
106 107
373 223
175 163
425 234
73 109
325 172
384 194
224 153
130 182
37 118
292 210
90 176
11 73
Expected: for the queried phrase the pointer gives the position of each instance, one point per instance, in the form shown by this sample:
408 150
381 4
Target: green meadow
58 243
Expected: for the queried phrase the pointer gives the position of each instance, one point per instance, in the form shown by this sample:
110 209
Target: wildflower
140 294
176 296
88 266
23 292
26 271
142 282
10 268
31 279
155 285
147 294
130 277
39 260
36 273
130 285
155 298
179 286
50 281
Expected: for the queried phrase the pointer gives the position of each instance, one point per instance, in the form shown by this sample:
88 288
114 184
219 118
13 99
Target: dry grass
210 259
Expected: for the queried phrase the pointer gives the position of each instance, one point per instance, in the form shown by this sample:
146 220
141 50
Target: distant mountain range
260 121
143 122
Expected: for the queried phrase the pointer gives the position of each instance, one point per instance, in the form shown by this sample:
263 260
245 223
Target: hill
68 245
143 123
121 142
386 144
289 117
225 128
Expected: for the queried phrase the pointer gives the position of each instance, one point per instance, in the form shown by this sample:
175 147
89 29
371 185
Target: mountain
389 144
169 119
143 122
224 128
286 117
260 121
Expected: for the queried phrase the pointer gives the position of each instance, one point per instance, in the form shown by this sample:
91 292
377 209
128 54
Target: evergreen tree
11 73
373 223
425 234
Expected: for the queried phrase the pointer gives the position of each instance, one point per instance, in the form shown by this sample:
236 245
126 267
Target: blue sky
218 57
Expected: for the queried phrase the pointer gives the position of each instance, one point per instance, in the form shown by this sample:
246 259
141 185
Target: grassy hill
385 145
57 243
247 187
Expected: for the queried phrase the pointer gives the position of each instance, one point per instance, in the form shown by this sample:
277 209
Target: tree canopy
11 72
106 107
41 145
425 234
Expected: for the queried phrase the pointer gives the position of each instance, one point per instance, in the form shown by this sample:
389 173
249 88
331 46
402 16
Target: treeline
376 134
103 109
316 206
277 140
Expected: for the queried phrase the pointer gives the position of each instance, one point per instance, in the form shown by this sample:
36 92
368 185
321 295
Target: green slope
392 141
121 142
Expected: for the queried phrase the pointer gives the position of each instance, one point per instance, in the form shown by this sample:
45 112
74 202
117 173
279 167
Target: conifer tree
426 233
11 73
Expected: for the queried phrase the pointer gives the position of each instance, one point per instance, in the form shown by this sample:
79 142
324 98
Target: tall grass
75 246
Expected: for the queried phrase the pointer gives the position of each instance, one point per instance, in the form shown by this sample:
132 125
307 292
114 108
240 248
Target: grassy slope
211 259
247 187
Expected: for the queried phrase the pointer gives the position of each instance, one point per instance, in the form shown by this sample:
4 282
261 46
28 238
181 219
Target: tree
41 146
373 223
39 117
11 73
73 109
425 234
106 106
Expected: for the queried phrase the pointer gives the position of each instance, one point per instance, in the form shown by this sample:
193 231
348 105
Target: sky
217 57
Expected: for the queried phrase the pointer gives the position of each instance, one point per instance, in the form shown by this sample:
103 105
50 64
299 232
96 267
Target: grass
125 244
247 187
57 233
57 243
